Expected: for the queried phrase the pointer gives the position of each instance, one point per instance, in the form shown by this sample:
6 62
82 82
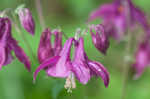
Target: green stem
127 58
126 66
40 13
21 34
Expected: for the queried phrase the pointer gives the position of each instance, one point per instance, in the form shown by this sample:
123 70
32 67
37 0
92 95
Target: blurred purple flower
9 44
100 39
142 58
83 68
119 16
46 48
26 20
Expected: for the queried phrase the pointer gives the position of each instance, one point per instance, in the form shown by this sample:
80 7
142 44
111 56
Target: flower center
70 83
120 8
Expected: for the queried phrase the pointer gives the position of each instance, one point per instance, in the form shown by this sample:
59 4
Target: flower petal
58 41
79 65
51 61
2 56
139 16
142 59
9 57
104 11
62 68
99 70
20 54
45 49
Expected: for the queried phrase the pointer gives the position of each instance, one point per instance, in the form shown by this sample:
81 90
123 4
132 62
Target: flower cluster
120 17
53 57
61 65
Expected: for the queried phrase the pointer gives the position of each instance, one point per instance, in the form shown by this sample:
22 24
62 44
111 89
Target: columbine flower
119 16
80 67
26 20
46 48
84 68
142 58
9 44
100 39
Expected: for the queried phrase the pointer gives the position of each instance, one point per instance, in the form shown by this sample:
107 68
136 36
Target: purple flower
9 44
84 68
119 16
46 48
100 39
142 58
81 67
60 67
26 20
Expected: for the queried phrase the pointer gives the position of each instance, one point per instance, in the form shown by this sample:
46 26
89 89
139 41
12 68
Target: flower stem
21 34
40 13
126 66
127 58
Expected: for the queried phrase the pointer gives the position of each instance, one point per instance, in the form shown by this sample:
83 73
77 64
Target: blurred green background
17 83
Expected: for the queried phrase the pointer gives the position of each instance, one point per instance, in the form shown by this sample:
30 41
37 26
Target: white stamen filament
70 83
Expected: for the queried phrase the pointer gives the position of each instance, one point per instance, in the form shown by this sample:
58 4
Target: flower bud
26 20
100 39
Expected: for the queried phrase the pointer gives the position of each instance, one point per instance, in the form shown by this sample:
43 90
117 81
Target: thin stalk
65 36
127 58
126 67
21 34
40 13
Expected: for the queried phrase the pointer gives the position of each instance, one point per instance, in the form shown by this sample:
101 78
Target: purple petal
141 18
79 65
120 26
9 58
45 49
2 56
5 33
58 41
5 30
62 68
104 11
138 16
99 70
142 58
51 61
20 54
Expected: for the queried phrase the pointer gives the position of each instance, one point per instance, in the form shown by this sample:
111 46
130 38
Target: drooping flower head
26 20
142 58
9 44
100 38
63 66
48 49
120 16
